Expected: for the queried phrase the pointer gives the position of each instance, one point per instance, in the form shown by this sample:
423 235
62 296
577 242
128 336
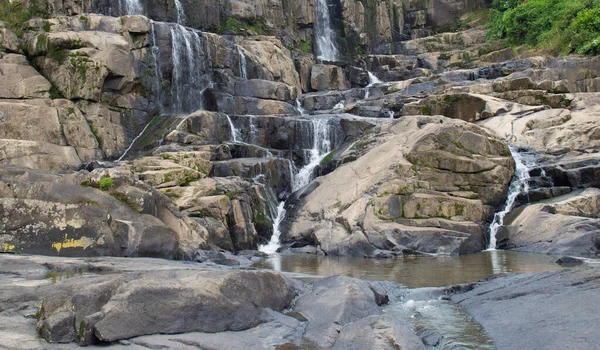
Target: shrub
561 26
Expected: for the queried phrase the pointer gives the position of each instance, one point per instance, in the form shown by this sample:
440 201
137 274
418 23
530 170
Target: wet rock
410 209
568 260
377 332
569 225
333 303
431 338
531 299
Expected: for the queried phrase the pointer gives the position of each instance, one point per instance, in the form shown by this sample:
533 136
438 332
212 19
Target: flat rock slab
551 310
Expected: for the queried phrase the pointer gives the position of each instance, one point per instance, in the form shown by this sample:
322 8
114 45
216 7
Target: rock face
428 185
567 225
156 303
528 300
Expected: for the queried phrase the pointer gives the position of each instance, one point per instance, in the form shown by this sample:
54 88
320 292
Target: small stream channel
424 307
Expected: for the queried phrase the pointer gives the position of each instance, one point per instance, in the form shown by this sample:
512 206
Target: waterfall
243 64
155 54
133 7
321 147
135 139
299 107
373 79
339 105
187 82
519 184
235 134
180 13
273 245
324 33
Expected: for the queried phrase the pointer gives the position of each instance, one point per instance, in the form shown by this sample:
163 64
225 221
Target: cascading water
324 34
519 184
243 64
133 7
235 133
372 81
187 83
180 13
273 245
299 107
321 147
135 139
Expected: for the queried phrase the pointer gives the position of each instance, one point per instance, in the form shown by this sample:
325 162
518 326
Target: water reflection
415 271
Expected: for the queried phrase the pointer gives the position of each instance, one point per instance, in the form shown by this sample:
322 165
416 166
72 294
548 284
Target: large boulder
195 301
378 332
531 299
335 302
429 185
328 77
569 225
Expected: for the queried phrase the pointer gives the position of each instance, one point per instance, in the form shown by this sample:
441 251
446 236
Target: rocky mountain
195 130
172 127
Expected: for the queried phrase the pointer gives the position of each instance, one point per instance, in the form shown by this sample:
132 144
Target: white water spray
324 33
235 133
243 64
519 184
180 12
373 79
133 7
321 147
273 245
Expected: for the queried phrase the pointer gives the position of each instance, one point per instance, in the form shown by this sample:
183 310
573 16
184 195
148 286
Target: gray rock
333 303
186 301
378 333
538 311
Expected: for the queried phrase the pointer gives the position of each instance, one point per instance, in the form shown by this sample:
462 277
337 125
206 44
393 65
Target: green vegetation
237 26
304 46
125 199
106 183
560 26
15 14
328 158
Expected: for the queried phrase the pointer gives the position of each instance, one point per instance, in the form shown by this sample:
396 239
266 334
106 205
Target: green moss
186 179
81 333
106 183
46 26
70 110
94 132
125 199
230 195
328 158
425 110
238 26
304 46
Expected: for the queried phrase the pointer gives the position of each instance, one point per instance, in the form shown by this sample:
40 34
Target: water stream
324 34
180 12
243 64
133 7
524 162
321 147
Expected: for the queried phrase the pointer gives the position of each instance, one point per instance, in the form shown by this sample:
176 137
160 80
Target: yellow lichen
83 242
8 247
